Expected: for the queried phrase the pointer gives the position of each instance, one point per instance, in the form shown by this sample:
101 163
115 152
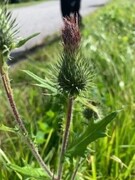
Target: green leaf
95 130
4 159
29 171
3 156
7 129
23 41
44 83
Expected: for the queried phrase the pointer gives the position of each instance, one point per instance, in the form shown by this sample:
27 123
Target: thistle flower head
7 30
74 71
71 34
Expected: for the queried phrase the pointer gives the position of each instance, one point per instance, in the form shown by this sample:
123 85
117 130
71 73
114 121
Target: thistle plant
74 78
8 42
75 72
74 75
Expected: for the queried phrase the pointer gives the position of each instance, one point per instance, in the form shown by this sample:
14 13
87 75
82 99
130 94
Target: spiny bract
75 74
7 30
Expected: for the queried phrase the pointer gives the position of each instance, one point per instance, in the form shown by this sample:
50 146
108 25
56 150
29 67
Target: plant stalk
65 135
76 169
23 131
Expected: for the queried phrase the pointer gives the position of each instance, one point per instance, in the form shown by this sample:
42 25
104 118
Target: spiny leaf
29 171
45 83
23 41
95 130
4 159
7 129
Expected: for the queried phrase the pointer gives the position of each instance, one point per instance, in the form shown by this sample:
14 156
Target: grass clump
109 42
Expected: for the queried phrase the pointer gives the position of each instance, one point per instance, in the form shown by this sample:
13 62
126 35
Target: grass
109 41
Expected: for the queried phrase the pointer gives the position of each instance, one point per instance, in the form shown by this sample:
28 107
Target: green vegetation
109 41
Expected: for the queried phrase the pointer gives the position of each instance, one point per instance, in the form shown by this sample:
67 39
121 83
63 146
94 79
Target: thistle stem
65 135
23 131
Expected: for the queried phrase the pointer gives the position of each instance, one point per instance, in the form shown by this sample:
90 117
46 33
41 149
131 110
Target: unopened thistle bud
74 71
71 34
89 114
7 31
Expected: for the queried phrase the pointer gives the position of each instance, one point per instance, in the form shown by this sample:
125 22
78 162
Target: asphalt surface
46 19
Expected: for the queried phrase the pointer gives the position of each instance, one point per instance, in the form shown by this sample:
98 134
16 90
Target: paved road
46 19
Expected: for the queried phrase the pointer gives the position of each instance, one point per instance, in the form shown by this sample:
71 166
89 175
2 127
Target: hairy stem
23 131
65 136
